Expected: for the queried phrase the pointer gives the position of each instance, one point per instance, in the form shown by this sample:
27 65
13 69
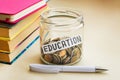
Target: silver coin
56 59
77 54
66 60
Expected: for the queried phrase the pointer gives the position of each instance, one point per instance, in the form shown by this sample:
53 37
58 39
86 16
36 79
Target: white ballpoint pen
57 68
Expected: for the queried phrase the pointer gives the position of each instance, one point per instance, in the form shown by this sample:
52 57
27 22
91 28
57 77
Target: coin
62 53
56 59
47 41
56 39
69 50
48 58
77 54
66 60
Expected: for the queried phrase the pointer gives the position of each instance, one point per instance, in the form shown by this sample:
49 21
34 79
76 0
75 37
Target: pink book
12 11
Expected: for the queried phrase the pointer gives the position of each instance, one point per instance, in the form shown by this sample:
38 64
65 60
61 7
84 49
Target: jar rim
65 12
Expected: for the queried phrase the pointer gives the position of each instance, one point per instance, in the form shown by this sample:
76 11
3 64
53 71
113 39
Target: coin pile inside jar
65 56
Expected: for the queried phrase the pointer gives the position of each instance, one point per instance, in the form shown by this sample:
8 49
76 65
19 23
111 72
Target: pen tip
101 70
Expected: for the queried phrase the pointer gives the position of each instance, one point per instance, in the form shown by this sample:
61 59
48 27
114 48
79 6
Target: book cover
10 31
15 10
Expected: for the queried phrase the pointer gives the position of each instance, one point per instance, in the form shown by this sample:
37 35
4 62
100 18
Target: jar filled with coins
62 38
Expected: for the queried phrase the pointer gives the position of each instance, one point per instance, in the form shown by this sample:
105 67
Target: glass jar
62 39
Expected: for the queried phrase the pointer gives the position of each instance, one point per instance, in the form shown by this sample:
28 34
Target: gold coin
48 57
62 53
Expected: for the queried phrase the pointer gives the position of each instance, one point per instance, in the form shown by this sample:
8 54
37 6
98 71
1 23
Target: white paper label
62 44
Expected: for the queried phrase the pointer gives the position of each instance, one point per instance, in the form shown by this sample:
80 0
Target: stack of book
19 27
